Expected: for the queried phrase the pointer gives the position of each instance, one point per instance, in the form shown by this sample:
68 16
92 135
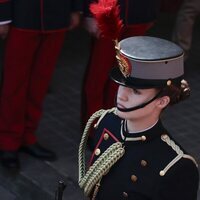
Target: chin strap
139 106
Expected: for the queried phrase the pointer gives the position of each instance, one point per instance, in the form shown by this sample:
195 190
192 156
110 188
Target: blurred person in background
183 30
34 31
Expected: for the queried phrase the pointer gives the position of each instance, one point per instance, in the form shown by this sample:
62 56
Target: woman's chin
126 115
121 114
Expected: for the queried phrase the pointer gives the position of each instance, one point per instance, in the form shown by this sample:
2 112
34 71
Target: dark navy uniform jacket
136 175
39 14
134 11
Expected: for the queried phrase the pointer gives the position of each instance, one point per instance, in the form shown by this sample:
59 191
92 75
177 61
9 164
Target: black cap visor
131 82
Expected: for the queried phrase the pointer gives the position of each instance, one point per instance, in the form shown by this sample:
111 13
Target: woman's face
131 97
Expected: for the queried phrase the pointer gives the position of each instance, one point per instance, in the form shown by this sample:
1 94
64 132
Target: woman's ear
163 102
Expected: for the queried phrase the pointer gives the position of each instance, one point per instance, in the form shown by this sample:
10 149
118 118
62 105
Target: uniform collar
148 134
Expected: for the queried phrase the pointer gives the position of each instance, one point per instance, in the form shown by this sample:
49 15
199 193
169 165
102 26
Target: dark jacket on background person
39 14
133 11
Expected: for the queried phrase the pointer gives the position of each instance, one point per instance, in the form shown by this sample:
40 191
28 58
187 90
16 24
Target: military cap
148 62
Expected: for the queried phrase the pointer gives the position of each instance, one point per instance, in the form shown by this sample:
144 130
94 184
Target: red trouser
98 90
30 58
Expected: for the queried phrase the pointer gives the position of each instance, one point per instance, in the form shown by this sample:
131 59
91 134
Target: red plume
107 15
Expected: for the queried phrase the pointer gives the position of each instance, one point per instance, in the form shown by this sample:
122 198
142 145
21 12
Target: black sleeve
180 182
5 10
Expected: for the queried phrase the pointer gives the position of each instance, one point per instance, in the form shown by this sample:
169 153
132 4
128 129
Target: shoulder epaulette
180 154
102 113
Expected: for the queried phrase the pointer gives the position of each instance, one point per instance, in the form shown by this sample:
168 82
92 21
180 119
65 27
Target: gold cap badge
124 63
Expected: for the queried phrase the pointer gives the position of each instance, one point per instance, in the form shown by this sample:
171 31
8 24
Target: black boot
10 160
37 151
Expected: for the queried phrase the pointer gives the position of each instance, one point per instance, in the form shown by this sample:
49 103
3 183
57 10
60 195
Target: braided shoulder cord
84 139
82 146
114 153
99 162
102 165
179 152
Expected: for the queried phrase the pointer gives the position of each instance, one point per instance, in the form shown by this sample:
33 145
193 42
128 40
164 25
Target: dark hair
176 93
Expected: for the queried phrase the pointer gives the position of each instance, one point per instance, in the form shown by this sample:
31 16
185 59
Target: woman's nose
123 93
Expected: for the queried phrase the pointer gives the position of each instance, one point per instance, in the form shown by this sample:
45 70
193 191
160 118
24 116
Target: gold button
169 82
134 178
97 152
162 173
125 194
106 136
143 163
143 138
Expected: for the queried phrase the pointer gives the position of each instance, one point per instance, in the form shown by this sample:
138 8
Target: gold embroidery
124 64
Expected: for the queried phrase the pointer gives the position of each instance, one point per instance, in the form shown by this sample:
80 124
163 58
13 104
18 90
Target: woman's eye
135 91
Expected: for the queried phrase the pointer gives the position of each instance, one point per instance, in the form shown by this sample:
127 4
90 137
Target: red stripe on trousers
30 58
